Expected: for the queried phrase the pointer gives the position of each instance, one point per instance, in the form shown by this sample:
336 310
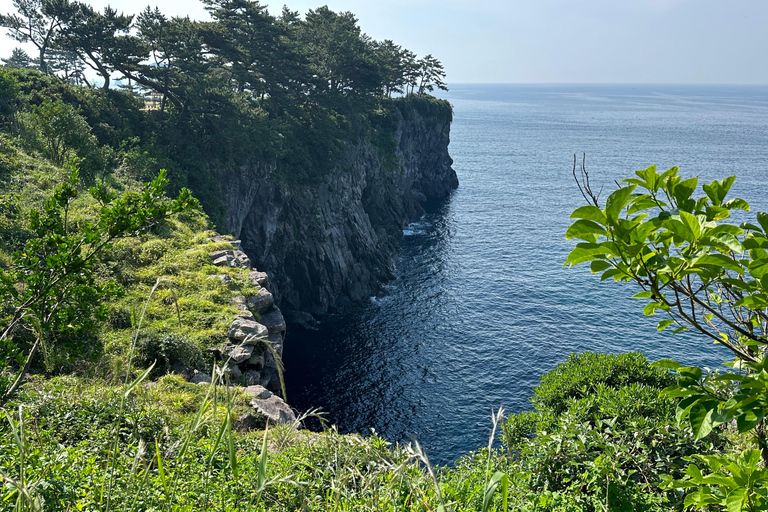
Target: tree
340 56
38 22
67 65
431 74
707 275
95 37
18 59
391 61
51 287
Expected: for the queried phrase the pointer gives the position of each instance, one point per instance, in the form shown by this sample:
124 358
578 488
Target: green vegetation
604 451
704 274
289 91
107 287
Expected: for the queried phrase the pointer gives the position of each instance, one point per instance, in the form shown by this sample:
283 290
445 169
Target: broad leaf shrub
707 275
602 436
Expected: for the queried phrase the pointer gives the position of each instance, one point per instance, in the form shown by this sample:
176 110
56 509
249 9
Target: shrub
602 436
169 351
581 374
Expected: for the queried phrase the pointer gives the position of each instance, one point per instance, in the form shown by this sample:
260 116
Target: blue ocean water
482 305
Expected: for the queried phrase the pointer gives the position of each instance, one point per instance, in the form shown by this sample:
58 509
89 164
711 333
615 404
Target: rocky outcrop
331 244
256 334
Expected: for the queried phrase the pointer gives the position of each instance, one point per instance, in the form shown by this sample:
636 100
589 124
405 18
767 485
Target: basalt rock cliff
332 243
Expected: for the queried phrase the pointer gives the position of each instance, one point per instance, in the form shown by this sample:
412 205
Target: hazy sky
541 41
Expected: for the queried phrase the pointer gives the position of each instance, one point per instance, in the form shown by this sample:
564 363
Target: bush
168 351
602 436
581 374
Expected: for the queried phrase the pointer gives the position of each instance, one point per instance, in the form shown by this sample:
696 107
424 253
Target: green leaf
669 364
718 261
612 273
651 308
749 226
762 219
616 202
753 302
683 190
589 212
599 266
750 419
758 268
693 224
737 204
734 501
138 380
664 324
586 252
701 420
643 295
586 230
490 489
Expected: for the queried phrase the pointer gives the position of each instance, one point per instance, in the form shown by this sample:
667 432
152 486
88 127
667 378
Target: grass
74 443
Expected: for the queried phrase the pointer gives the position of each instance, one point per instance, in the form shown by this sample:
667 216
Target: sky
552 41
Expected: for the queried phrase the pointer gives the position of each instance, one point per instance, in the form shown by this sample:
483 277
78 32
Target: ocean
482 304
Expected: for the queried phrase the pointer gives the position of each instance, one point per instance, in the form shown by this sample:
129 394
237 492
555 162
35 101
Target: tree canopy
274 60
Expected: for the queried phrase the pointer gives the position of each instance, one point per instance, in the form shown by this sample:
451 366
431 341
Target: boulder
234 372
275 409
199 377
248 421
261 301
243 328
258 392
223 261
240 303
251 377
240 260
259 279
220 254
256 362
273 321
236 354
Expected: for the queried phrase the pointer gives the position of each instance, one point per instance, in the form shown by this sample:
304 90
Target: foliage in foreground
707 275
78 444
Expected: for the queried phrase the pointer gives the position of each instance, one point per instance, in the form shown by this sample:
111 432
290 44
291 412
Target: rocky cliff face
328 245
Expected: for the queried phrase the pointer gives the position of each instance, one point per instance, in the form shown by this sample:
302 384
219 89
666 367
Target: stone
259 279
258 392
275 409
240 303
240 260
243 328
222 261
256 362
234 372
236 354
273 321
261 301
199 377
218 254
251 377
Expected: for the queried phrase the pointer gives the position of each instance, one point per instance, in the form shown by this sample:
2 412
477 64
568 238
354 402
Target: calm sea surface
482 305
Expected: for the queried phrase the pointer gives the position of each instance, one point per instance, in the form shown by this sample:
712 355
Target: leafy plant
51 286
707 275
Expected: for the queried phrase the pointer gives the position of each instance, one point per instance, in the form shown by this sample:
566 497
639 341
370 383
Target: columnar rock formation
331 244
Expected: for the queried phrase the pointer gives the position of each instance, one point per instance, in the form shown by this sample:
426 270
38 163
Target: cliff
330 244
